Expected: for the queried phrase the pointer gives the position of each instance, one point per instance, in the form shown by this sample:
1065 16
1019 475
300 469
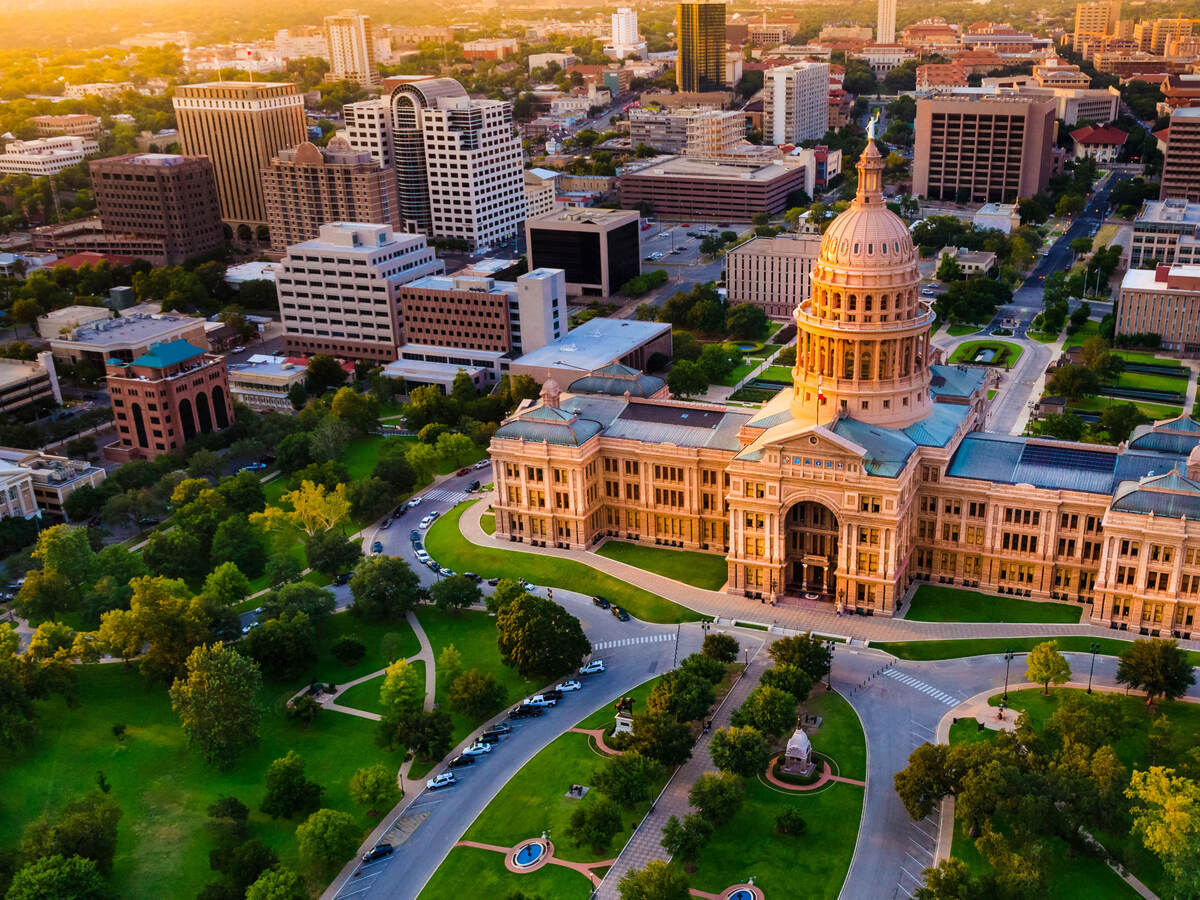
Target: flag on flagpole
820 391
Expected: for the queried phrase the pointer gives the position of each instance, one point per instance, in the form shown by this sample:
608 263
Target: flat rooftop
683 167
15 371
480 284
587 216
135 329
593 344
268 366
1144 279
1173 212
493 356
434 372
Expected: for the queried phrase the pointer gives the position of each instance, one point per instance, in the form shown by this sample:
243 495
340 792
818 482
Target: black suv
379 851
601 602
459 761
620 614
525 712
500 728
552 694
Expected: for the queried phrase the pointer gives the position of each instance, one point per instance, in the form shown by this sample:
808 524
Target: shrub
790 822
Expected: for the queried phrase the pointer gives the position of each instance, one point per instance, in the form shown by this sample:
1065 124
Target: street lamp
1094 648
829 642
1008 658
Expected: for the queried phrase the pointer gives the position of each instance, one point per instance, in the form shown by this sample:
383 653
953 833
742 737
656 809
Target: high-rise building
1181 162
1165 231
369 128
715 134
599 249
772 273
625 26
239 125
980 148
1094 20
796 103
885 22
339 293
308 186
1164 300
408 100
351 43
169 199
700 65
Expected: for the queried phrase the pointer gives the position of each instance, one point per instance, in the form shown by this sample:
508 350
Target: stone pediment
800 441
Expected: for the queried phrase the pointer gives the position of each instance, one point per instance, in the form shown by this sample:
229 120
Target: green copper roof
168 353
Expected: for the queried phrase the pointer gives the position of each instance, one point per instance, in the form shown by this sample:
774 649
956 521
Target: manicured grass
702 570
777 373
362 455
927 650
933 603
488 523
840 734
1090 329
1144 382
1146 359
737 374
380 639
959 329
473 635
603 717
471 872
1042 337
365 696
992 393
1099 404
447 545
965 353
162 786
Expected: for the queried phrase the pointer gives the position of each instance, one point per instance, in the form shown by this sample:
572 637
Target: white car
414 502
482 464
422 556
593 668
568 686
540 700
238 350
479 748
426 522
440 781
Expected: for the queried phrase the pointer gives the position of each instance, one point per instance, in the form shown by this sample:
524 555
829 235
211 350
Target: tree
1156 666
348 650
1046 665
746 320
721 647
686 695
538 636
384 588
25 311
394 469
458 592
243 492
718 797
328 837
204 462
684 840
742 750
449 663
289 793
950 879
628 778
476 694
374 787
1119 420
217 702
1166 816
277 883
948 269
657 881
332 551
237 541
323 372
164 622
806 652
792 679
1073 381
59 878
370 498
282 568
317 509
357 410
226 585
790 822
923 783
769 709
86 827
456 448
424 461
661 738
402 691
45 594
283 646
65 549
686 379
595 824
426 733
301 597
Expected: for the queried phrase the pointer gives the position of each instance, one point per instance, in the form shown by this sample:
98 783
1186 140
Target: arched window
865 369
848 366
853 302
187 418
219 409
140 424
206 424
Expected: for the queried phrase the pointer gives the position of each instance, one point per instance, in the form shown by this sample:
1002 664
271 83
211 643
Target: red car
464 471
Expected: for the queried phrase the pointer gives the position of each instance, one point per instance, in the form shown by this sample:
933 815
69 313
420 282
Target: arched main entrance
810 545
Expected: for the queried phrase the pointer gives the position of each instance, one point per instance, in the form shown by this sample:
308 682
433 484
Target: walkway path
810 617
646 843
582 868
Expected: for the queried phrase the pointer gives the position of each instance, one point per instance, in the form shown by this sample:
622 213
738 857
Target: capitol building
870 475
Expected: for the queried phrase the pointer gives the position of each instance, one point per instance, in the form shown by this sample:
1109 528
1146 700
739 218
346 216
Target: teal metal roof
168 353
616 379
887 449
955 381
1172 495
1178 435
550 425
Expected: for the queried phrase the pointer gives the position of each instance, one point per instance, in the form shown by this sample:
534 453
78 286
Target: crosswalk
918 685
626 642
446 494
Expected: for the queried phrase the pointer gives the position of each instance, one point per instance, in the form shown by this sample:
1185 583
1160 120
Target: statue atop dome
871 126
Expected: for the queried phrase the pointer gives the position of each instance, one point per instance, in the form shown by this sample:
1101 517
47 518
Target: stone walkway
645 844
597 734
817 617
825 778
552 860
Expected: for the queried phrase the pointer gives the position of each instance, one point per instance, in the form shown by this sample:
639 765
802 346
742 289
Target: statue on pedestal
797 758
624 716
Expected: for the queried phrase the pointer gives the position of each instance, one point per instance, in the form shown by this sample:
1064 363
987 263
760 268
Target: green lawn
365 696
1144 382
934 603
1099 404
777 373
1146 359
446 544
1090 329
488 523
959 329
738 374
702 570
473 635
380 639
927 650
840 734
471 872
1042 337
162 786
965 353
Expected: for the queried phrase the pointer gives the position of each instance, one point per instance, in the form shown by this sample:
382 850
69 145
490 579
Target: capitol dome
868 234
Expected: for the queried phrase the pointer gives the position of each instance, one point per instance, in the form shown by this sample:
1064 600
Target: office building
408 100
599 249
52 478
45 156
716 135
474 313
1165 301
592 346
1166 231
625 38
490 48
27 382
159 206
338 294
700 63
796 103
351 42
679 187
541 192
368 127
1181 160
71 125
307 186
262 382
67 318
16 493
125 338
979 148
426 364
165 397
999 216
239 126
885 22
1095 20
772 273
665 130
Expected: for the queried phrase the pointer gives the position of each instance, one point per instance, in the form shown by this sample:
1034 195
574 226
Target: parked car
525 712
377 547
541 700
568 686
422 555
446 572
595 667
479 748
426 522
498 729
144 521
257 467
399 510
621 614
414 536
238 350
414 502
482 464
433 565
493 581
473 487
489 738
552 694
342 578
379 851
460 761
465 470
440 781
601 602
385 525
475 578
434 515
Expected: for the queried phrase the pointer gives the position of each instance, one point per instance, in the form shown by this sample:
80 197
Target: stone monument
797 758
624 716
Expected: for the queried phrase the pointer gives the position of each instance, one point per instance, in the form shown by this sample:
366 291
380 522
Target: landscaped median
987 353
446 543
930 650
